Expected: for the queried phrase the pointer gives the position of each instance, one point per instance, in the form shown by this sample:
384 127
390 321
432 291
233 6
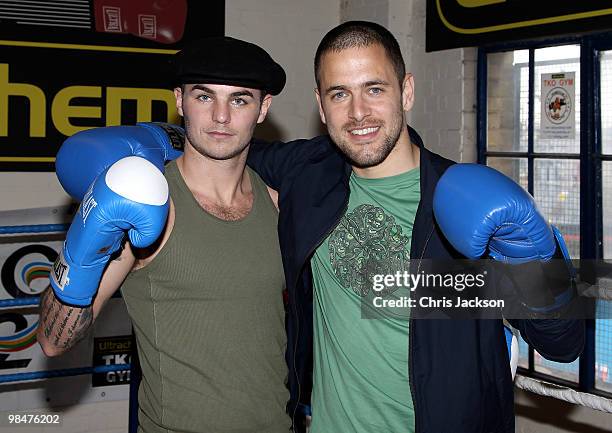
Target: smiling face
220 119
362 103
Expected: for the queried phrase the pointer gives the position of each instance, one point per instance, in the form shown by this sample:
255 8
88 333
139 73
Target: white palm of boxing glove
130 196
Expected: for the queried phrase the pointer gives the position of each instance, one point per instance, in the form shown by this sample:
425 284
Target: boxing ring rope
31 301
33 228
562 393
596 291
559 392
49 374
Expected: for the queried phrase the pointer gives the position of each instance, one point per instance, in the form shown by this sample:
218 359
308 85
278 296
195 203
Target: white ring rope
596 291
562 393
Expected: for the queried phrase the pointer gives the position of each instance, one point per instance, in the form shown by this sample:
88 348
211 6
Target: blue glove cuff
75 284
564 251
172 137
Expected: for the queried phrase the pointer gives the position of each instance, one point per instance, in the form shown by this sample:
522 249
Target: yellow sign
512 25
66 88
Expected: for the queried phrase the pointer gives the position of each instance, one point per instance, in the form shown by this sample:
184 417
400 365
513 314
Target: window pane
557 193
603 327
603 346
557 100
507 93
606 101
514 168
606 191
557 369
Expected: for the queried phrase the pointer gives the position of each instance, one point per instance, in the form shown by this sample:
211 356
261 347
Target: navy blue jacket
459 375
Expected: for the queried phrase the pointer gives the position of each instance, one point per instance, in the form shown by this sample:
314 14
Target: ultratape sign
463 23
70 66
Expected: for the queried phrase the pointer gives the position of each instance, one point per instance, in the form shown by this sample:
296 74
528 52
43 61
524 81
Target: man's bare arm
62 326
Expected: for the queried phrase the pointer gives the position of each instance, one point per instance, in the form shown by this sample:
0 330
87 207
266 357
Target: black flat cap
225 60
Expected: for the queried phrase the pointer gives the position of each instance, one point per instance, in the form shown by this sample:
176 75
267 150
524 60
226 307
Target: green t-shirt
360 381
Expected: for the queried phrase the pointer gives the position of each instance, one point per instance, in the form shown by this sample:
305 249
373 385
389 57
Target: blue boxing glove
482 211
88 153
130 196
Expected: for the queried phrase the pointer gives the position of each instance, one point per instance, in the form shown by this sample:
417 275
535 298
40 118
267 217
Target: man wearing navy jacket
362 198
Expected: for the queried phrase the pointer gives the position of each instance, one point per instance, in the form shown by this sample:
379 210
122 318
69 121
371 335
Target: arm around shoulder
275 161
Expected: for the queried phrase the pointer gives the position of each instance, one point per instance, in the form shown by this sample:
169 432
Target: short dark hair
353 34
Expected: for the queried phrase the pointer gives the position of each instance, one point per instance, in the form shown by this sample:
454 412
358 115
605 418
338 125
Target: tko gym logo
112 351
51 91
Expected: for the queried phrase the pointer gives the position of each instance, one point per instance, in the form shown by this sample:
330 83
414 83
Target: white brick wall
444 111
290 31
368 10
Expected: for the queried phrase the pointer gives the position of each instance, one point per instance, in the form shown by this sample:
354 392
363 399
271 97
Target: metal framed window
568 172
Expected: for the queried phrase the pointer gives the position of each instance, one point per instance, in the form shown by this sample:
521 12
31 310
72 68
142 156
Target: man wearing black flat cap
206 298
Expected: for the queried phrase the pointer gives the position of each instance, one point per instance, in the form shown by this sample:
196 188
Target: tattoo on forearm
61 324
51 312
50 326
86 317
60 331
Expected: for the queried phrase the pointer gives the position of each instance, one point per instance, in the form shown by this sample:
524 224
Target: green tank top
209 321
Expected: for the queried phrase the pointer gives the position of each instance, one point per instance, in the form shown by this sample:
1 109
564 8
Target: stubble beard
373 156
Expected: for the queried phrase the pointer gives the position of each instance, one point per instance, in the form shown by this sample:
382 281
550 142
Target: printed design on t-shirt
367 242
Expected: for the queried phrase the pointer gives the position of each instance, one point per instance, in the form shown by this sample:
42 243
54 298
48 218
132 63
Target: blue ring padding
34 300
35 228
16 377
